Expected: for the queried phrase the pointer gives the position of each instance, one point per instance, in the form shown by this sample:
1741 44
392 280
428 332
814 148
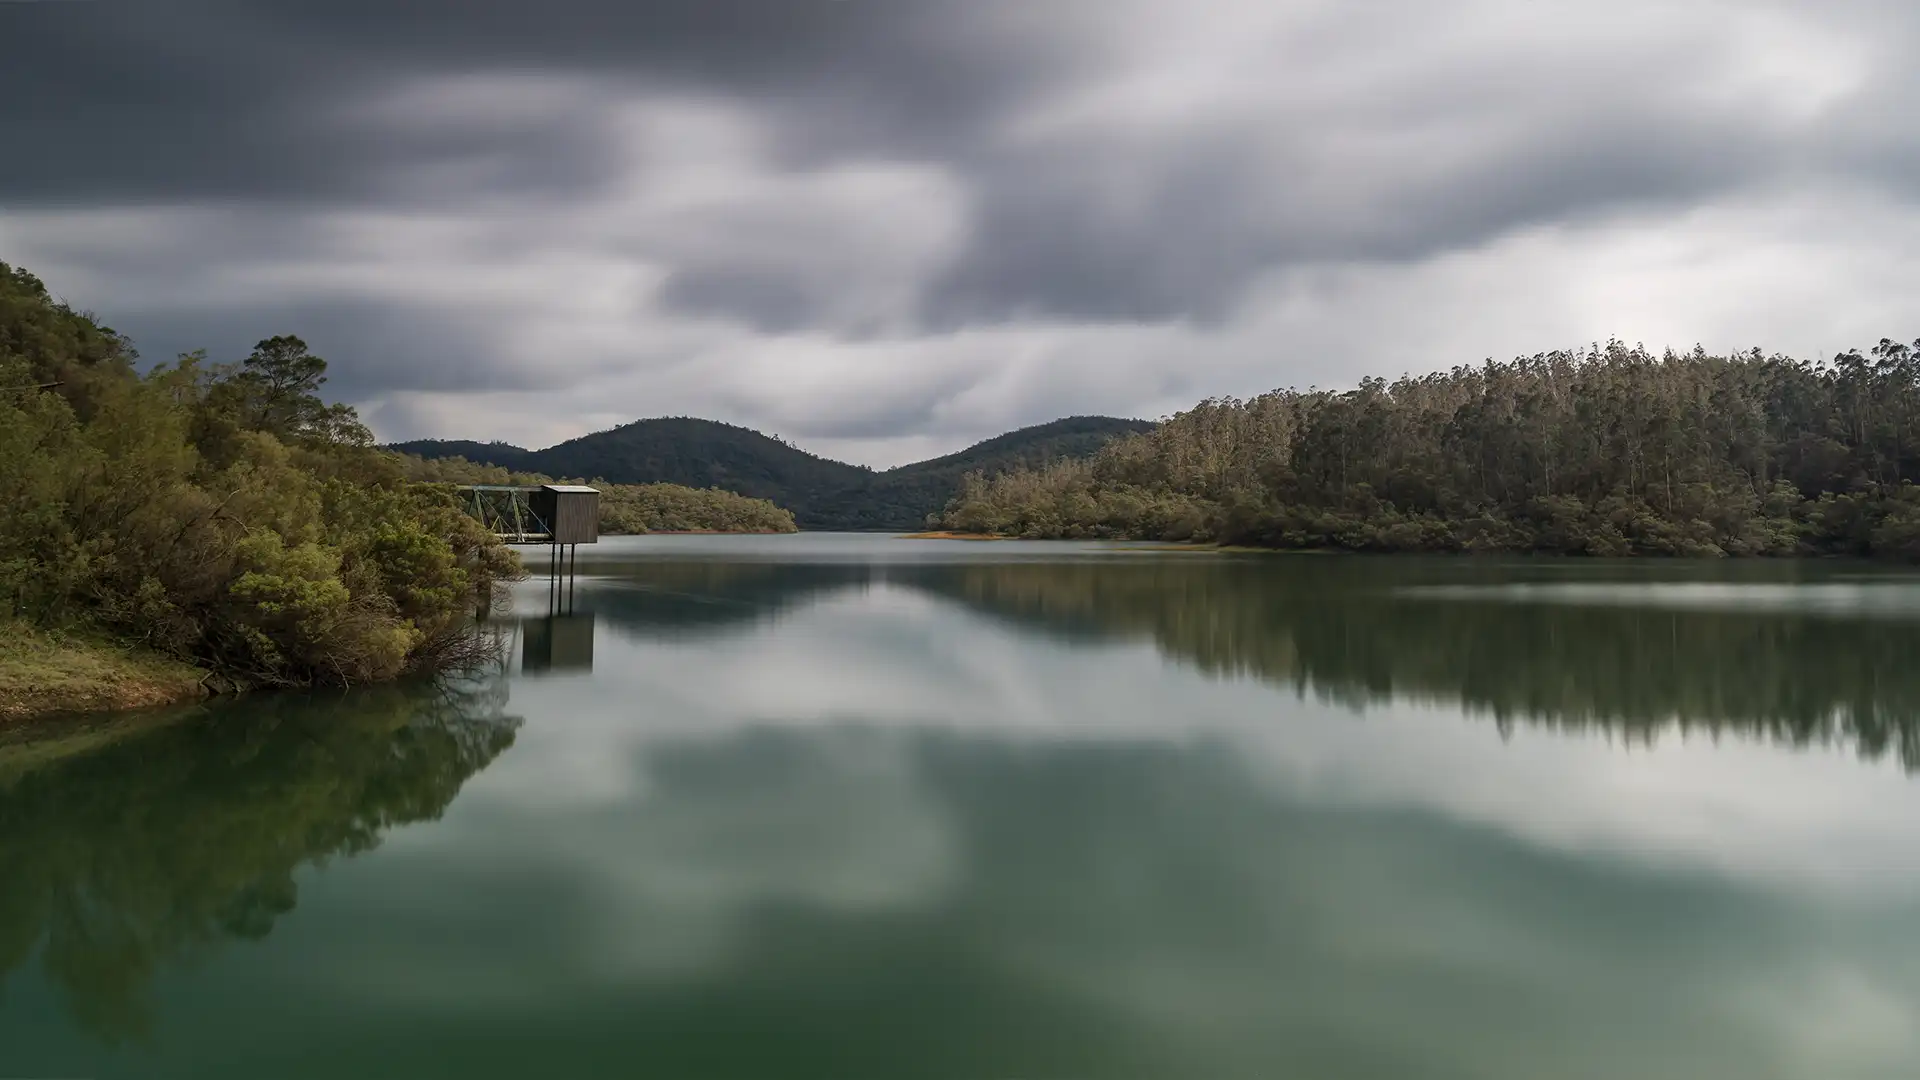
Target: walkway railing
507 511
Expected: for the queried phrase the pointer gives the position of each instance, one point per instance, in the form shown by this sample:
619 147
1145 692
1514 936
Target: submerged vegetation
219 515
628 509
1611 451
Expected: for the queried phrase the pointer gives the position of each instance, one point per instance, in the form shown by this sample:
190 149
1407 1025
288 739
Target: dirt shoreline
45 675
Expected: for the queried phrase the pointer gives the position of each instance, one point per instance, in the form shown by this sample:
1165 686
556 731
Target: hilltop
821 492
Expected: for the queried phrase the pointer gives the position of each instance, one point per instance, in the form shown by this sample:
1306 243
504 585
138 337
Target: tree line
627 509
223 514
821 493
1608 451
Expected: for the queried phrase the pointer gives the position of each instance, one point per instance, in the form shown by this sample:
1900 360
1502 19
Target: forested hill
670 450
822 493
1607 451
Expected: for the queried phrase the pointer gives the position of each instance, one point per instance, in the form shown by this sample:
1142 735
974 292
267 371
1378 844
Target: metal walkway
561 516
507 512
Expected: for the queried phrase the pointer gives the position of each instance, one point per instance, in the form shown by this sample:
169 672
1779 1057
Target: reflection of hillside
862 901
675 599
1346 630
122 860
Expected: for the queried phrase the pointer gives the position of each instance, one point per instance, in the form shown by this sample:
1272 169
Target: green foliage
1608 452
822 494
645 508
459 470
627 508
275 390
221 515
44 341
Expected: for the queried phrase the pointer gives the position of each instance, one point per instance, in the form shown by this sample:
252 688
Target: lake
854 807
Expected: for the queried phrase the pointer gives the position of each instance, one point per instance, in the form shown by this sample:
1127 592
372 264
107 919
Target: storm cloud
886 228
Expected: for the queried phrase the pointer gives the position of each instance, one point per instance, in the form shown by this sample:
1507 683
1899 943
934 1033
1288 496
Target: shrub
222 515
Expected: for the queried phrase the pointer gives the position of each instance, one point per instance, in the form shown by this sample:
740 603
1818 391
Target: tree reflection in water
1365 631
155 847
1798 652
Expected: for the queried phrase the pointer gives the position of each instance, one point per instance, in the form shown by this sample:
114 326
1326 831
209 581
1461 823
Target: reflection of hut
572 512
557 643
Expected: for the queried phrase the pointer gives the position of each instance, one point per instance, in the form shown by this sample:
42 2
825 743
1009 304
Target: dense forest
627 509
821 493
1610 451
220 514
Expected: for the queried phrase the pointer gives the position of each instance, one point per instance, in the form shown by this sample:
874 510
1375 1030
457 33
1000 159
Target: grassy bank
44 673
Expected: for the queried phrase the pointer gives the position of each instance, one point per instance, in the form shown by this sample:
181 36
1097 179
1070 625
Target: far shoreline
1128 543
707 532
940 534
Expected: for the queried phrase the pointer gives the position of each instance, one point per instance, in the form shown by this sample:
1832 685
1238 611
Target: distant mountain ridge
821 492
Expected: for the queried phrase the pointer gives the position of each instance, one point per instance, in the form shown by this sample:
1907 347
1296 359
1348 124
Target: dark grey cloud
774 301
228 99
370 348
419 183
1224 199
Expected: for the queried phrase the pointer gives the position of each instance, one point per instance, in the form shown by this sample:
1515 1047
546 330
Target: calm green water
854 807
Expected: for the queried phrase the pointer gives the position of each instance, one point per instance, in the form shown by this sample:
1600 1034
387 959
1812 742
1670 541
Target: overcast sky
884 229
